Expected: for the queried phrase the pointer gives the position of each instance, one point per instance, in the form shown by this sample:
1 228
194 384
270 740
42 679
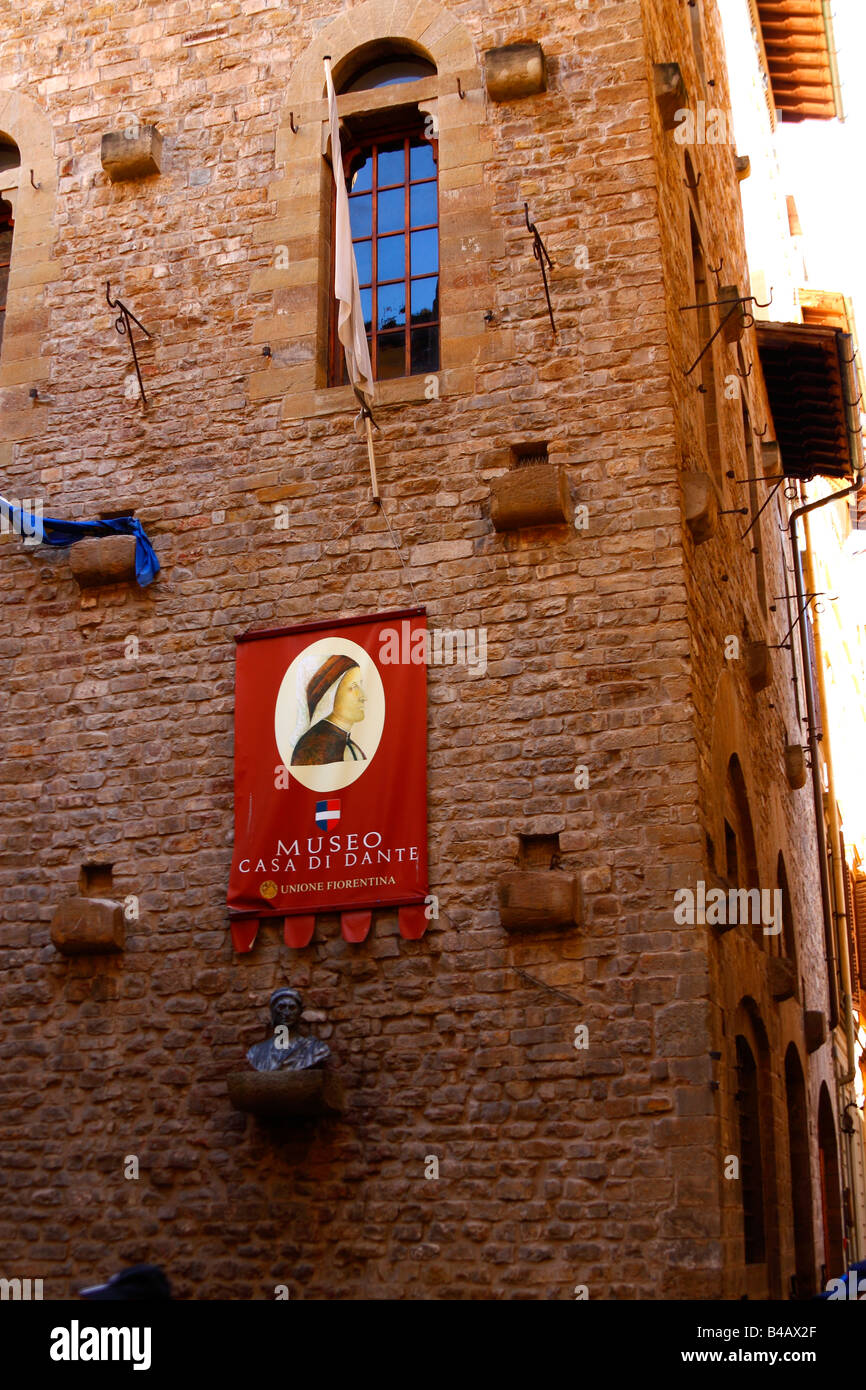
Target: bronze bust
287 1049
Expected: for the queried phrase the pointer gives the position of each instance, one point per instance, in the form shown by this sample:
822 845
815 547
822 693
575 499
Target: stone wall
558 1167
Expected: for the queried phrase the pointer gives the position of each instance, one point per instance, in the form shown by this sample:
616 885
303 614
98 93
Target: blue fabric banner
50 531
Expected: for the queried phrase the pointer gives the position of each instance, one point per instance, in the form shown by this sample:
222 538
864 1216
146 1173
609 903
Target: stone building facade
630 728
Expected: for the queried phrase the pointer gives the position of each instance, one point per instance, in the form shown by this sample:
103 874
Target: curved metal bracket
122 325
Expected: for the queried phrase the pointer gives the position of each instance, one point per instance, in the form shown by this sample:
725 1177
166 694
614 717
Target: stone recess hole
96 880
539 851
528 455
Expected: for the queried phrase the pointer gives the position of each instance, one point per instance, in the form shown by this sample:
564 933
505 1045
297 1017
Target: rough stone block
535 900
516 70
732 313
286 1095
88 926
702 506
771 458
782 978
533 496
757 664
743 166
132 154
103 560
670 91
814 1029
795 766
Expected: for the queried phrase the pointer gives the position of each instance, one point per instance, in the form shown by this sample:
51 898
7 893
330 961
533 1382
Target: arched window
801 1175
751 1161
755 535
742 859
384 72
10 159
704 323
831 1192
391 171
789 935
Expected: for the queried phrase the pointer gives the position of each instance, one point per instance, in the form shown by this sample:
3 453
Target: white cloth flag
350 319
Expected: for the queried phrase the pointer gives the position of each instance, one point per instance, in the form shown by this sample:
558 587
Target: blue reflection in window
361 174
424 252
422 204
392 164
422 165
367 308
391 257
361 215
425 299
392 210
364 257
392 306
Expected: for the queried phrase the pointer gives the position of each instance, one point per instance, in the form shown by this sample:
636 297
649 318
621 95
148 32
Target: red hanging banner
331 769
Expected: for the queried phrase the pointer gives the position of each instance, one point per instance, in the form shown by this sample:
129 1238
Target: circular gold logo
268 889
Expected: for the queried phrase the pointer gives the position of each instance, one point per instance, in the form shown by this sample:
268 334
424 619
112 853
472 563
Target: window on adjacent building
392 182
10 162
751 1164
6 229
704 323
755 534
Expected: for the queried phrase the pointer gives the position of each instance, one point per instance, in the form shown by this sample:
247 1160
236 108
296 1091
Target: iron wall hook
122 325
542 255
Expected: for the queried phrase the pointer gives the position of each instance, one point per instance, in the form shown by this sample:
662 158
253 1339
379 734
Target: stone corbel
759 672
815 1029
88 926
286 1095
131 154
538 900
103 560
515 70
795 766
782 978
701 506
534 496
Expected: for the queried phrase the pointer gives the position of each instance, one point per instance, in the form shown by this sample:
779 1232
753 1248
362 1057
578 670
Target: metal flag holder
541 254
369 420
122 324
748 322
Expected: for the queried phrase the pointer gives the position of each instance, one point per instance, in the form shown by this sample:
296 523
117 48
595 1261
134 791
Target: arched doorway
831 1190
801 1175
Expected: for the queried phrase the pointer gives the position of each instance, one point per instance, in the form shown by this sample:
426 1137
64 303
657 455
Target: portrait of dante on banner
329 714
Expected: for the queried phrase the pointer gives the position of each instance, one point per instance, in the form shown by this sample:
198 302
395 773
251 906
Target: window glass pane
391 306
424 252
367 308
392 355
425 350
360 173
391 253
361 215
422 204
425 300
364 258
422 165
402 69
392 164
392 210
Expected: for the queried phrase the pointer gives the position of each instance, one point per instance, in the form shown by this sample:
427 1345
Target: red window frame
7 223
337 374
